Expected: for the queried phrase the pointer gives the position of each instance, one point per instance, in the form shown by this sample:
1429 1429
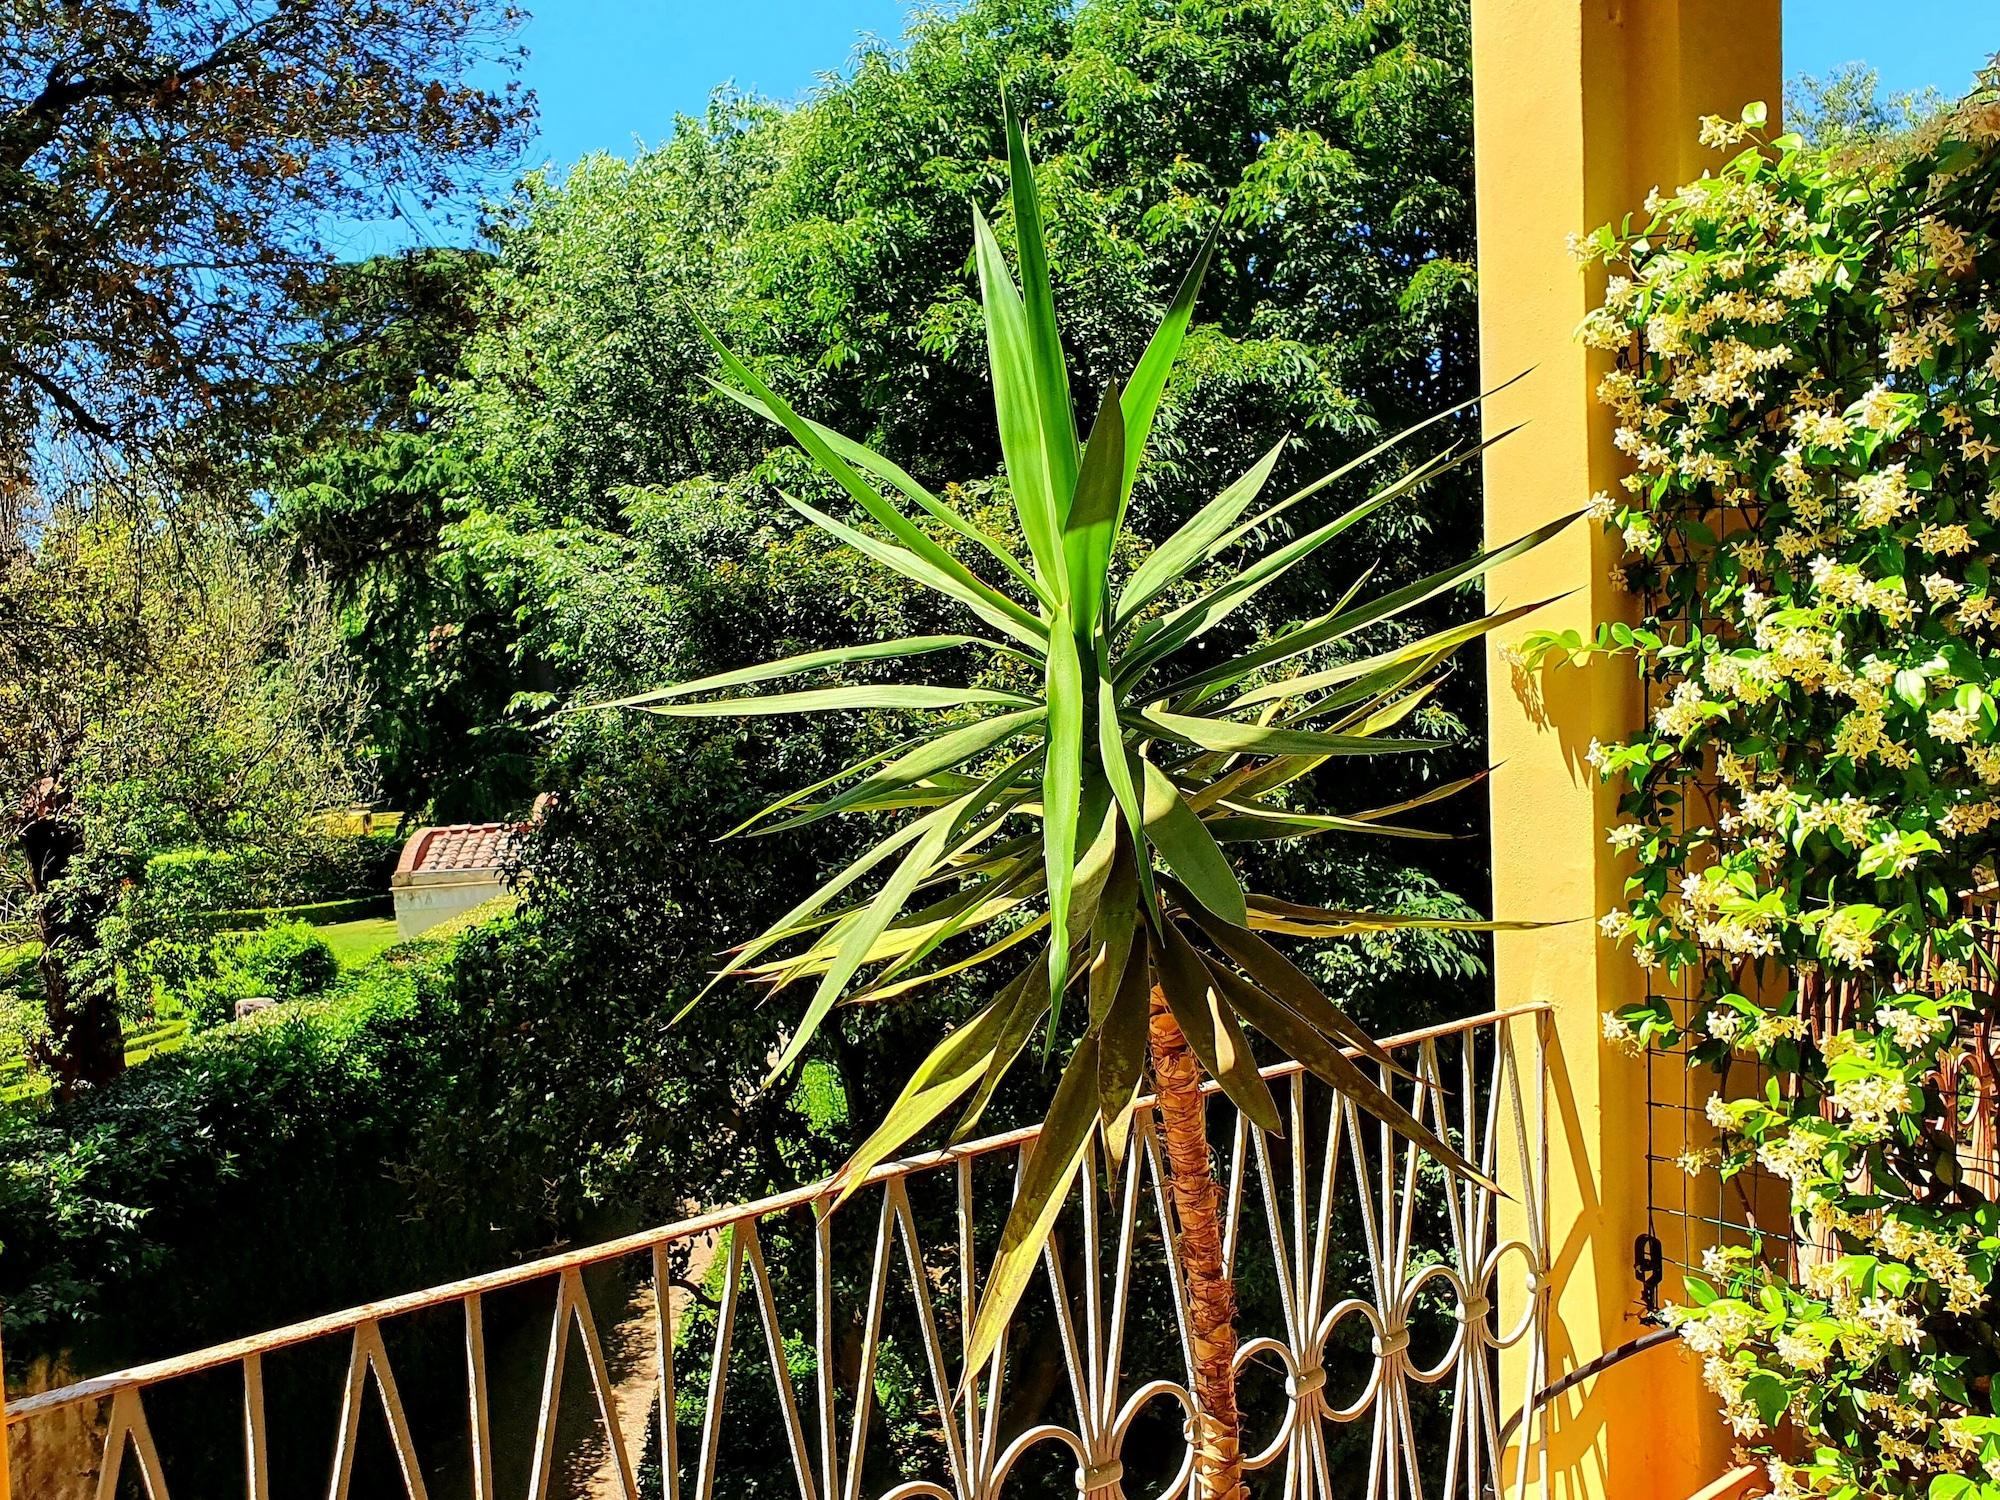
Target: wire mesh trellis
1691 1209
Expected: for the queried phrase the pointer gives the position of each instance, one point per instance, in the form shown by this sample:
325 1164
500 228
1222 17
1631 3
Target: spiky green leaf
1043 1185
1093 511
1189 849
1062 788
1032 462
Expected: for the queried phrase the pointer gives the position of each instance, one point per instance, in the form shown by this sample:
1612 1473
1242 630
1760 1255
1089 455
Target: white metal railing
1335 1221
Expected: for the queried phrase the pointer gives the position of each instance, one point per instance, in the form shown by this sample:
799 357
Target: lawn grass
354 943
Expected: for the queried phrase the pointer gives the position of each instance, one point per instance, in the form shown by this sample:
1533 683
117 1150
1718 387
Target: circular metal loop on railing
1288 1423
1151 1391
1489 1276
1377 1371
1108 1467
1406 1304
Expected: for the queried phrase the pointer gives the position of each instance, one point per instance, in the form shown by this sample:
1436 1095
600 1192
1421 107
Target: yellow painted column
1580 108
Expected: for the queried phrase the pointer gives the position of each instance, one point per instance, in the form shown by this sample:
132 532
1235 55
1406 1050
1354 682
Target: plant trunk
1211 1295
85 1045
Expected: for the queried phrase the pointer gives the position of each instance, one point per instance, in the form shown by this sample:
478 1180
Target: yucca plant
1078 809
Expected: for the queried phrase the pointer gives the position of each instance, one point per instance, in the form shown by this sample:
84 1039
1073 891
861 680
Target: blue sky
609 72
610 75
1910 42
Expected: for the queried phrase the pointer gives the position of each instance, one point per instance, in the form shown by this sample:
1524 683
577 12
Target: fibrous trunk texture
1197 1199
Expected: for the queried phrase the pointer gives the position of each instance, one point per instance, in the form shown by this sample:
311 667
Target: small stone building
447 870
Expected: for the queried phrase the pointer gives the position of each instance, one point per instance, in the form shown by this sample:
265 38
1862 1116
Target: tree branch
33 125
85 419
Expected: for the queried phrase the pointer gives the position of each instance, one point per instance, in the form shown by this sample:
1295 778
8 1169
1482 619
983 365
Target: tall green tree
365 479
169 174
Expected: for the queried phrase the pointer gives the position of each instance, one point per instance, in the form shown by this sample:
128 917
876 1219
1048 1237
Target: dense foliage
365 489
570 463
111 1205
1807 383
309 866
171 173
157 694
203 977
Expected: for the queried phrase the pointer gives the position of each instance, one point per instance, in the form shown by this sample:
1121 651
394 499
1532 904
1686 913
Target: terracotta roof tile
459 846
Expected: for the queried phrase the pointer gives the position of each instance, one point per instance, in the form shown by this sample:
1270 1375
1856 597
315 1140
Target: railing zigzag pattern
1335 1171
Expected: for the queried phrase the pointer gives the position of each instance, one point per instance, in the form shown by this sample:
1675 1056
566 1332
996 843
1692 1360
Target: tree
153 695
169 173
364 482
374 340
1844 108
1074 789
828 241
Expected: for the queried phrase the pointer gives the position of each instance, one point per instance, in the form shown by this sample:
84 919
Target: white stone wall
423 903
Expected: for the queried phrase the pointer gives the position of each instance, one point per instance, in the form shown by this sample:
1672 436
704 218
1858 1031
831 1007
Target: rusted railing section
1335 1229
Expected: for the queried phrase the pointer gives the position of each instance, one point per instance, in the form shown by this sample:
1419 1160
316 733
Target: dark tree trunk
85 1045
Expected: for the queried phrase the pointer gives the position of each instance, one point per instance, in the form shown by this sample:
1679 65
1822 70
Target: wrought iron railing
1370 1359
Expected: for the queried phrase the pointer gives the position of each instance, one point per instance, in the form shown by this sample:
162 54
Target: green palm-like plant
1089 813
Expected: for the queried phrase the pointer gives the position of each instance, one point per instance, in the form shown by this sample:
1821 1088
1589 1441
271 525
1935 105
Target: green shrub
201 879
161 973
267 1172
206 977
211 1001
21 1013
311 870
287 962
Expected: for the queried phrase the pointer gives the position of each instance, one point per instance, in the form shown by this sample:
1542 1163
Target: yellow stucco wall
1580 107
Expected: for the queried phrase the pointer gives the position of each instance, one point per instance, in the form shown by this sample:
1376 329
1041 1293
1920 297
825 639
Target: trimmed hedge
317 868
319 914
